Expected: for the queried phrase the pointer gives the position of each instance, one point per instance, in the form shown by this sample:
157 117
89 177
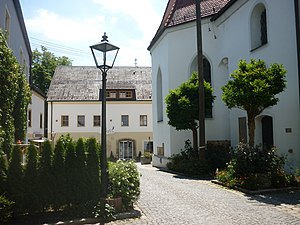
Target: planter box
145 160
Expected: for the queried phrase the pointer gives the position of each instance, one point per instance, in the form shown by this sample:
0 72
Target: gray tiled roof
82 83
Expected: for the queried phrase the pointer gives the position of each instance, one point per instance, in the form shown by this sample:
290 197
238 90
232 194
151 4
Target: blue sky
69 27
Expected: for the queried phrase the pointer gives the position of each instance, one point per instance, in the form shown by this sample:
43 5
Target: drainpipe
297 22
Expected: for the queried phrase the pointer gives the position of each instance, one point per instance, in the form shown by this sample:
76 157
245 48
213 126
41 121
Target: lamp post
107 52
201 82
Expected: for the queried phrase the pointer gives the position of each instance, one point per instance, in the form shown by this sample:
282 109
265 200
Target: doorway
267 132
126 149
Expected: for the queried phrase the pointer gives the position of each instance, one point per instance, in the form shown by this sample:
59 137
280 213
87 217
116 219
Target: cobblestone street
171 199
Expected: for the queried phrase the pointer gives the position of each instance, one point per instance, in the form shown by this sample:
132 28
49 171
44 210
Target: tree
70 163
15 179
80 174
45 175
31 181
253 88
183 106
92 164
23 98
58 168
14 96
43 67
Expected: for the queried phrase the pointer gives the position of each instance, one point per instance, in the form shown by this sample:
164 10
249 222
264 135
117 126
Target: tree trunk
195 140
251 129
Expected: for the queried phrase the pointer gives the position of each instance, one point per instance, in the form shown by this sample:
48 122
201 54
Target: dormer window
125 94
111 94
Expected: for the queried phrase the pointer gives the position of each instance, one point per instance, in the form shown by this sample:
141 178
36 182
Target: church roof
82 83
182 11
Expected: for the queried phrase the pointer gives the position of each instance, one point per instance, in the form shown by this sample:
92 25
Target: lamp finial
104 37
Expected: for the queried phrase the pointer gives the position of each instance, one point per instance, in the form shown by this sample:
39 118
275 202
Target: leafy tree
71 167
23 98
92 164
43 67
14 93
59 175
31 181
45 175
15 179
253 88
183 106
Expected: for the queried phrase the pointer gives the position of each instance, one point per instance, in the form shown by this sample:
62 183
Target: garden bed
255 192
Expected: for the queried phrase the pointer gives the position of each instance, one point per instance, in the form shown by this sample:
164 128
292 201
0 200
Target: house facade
12 21
36 115
231 30
74 107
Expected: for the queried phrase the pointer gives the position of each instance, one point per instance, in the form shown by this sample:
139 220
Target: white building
232 30
74 107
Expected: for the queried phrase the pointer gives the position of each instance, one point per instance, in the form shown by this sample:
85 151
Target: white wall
36 106
229 38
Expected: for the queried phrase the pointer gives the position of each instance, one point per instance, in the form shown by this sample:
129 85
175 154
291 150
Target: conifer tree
31 197
80 171
70 163
3 174
58 168
15 180
45 176
93 169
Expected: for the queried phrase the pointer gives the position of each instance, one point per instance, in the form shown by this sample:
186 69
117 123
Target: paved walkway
168 199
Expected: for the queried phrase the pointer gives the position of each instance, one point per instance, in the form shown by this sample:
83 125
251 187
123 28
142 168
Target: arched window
207 78
159 97
258 26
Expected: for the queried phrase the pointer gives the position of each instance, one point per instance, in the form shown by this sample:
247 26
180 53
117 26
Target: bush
124 181
188 162
5 209
254 168
218 153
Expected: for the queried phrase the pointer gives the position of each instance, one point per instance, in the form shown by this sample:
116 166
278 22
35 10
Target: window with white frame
80 121
143 120
41 121
148 146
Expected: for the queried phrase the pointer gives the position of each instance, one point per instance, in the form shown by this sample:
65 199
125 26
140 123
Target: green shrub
254 168
218 153
188 162
5 209
15 184
32 203
3 174
124 181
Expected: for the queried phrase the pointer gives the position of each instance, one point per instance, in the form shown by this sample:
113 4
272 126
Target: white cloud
142 12
58 28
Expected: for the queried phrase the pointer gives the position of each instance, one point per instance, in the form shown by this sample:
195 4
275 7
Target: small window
125 94
80 121
111 94
97 120
124 120
29 118
64 121
41 121
143 120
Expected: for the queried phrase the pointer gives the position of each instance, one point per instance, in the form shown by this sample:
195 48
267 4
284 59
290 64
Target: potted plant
146 158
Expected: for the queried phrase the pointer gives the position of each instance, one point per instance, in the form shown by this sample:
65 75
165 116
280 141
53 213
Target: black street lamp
108 53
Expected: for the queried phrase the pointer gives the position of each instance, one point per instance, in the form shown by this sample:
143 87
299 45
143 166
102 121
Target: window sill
258 47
